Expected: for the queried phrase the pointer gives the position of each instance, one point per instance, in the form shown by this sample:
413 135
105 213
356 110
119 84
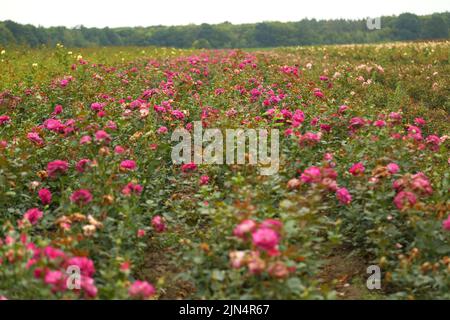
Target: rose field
87 181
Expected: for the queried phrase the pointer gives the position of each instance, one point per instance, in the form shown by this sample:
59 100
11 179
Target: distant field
87 179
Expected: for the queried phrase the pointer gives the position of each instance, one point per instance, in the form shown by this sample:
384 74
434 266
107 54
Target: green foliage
406 26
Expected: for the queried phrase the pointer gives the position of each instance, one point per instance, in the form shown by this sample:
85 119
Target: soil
157 263
346 273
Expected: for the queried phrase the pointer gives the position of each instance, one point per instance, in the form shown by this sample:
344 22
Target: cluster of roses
432 141
50 264
264 238
62 272
324 177
409 187
295 120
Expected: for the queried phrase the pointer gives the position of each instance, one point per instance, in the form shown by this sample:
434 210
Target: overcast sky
117 13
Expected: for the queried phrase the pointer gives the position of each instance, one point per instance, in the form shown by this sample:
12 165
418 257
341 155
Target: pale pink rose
141 290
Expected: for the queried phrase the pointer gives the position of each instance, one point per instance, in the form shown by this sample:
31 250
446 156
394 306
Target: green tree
435 27
407 27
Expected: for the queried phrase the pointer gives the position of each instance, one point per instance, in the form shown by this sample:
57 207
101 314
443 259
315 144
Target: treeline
226 35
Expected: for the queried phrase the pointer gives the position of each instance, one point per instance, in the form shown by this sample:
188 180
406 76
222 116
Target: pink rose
311 175
158 224
128 164
132 188
45 195
204 180
404 198
265 239
188 167
58 109
57 166
4 119
34 137
141 289
85 140
85 264
343 196
119 150
162 130
56 279
33 215
102 135
140 233
97 106
393 168
82 165
244 227
357 169
446 224
81 196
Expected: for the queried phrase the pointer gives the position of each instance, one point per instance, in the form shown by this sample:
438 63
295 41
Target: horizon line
220 23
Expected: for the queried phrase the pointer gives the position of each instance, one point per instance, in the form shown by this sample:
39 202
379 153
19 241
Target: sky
130 13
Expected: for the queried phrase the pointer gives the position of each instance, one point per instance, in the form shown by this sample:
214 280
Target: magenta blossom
4 119
188 167
57 279
319 94
395 117
58 109
141 290
343 108
85 264
119 149
82 165
446 224
45 195
33 215
244 227
158 224
421 184
310 138
393 168
379 123
266 239
52 253
53 125
162 130
204 180
34 137
57 166
132 188
356 123
85 140
343 196
404 199
88 286
81 196
97 106
102 135
140 233
357 169
128 165
311 175
419 121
